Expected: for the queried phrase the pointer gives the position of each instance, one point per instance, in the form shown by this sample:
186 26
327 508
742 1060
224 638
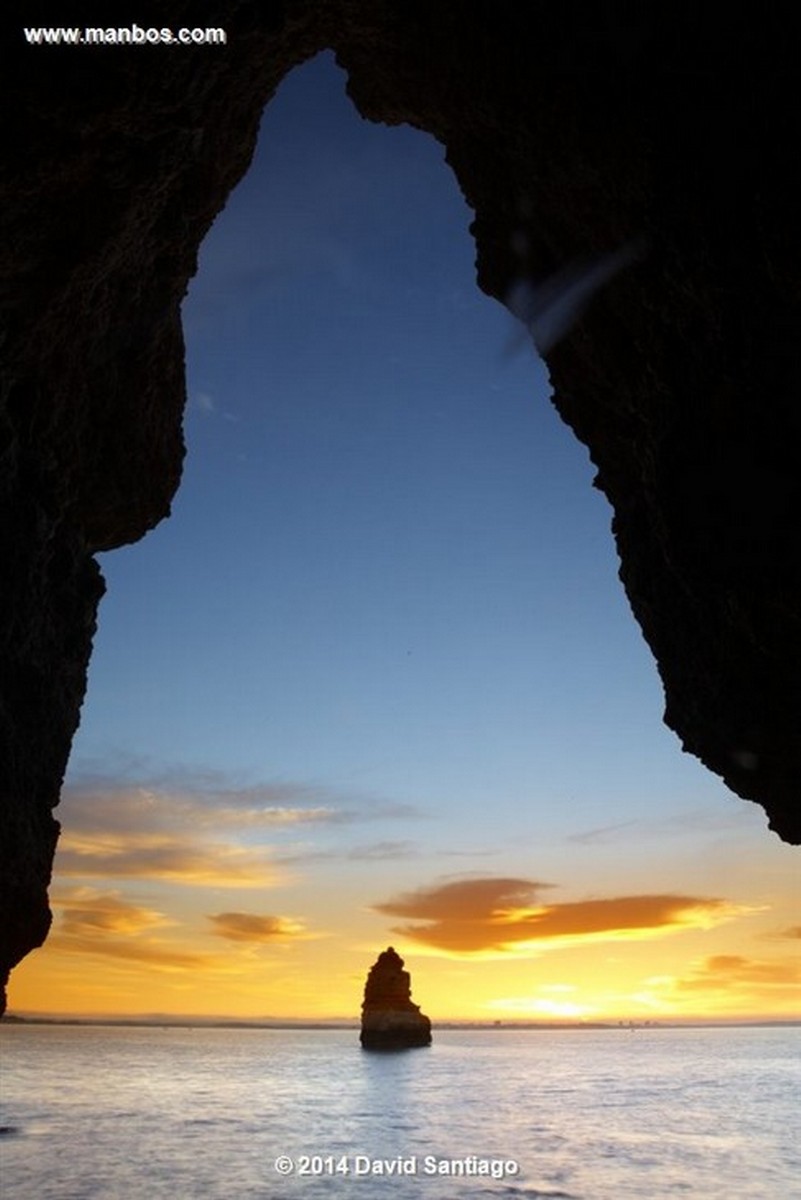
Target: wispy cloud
199 828
151 953
252 927
88 911
116 806
676 825
380 851
603 833
736 971
179 798
368 852
155 856
202 401
502 915
102 924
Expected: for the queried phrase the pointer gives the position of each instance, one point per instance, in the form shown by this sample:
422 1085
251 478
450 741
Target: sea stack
389 1019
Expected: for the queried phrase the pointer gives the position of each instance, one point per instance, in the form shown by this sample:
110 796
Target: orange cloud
154 954
475 915
250 927
86 912
101 924
733 970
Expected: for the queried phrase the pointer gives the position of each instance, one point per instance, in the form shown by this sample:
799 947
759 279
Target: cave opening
381 641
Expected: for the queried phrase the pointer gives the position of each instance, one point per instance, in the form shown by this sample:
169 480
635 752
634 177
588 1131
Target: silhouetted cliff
575 130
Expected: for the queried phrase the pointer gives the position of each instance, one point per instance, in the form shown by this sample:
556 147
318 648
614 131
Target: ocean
123 1113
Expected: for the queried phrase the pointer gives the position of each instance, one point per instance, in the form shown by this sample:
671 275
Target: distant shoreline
170 1022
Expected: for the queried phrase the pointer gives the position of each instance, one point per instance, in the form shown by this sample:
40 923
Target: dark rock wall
574 130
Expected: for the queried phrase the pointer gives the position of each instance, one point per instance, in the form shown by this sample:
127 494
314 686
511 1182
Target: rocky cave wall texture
575 131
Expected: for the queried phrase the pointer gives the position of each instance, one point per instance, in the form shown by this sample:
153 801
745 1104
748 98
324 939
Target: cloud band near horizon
503 915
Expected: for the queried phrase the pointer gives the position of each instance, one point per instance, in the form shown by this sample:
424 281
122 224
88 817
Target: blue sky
386 562
382 634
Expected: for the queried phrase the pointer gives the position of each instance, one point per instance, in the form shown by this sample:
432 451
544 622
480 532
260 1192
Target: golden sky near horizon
276 906
386 564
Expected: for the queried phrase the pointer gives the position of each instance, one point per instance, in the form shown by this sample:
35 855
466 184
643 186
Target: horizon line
36 1017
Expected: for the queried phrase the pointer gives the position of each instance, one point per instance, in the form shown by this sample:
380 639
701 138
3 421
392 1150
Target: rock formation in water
390 1021
585 136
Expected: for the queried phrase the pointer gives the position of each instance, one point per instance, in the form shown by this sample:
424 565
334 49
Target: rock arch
573 130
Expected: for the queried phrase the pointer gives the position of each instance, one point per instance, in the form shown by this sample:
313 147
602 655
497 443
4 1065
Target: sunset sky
376 681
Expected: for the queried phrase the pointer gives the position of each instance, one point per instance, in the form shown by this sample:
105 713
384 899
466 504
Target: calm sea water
124 1113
